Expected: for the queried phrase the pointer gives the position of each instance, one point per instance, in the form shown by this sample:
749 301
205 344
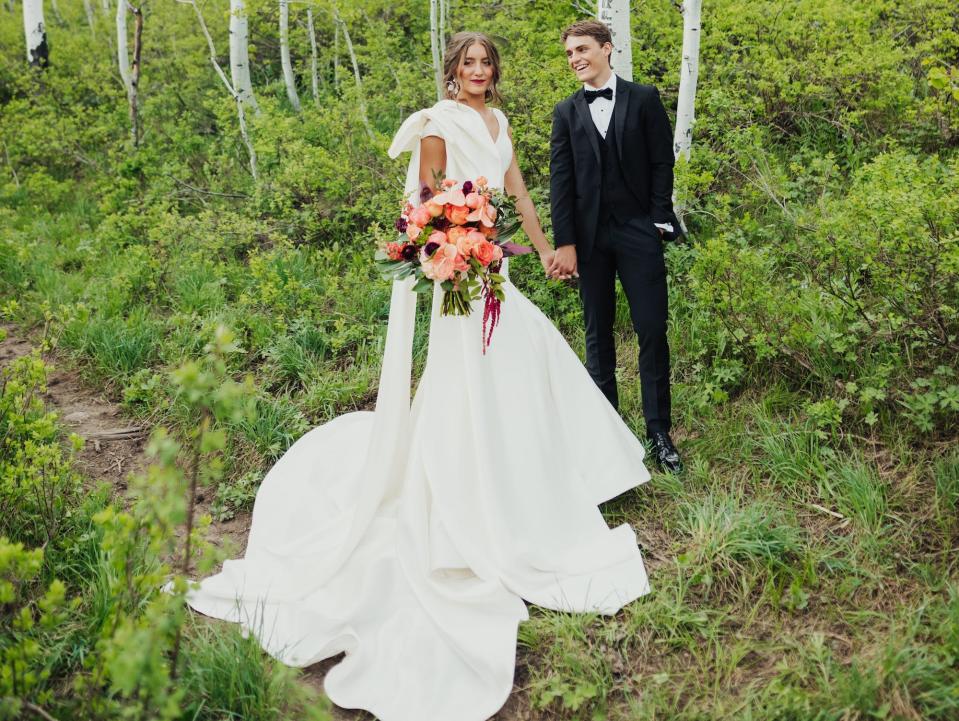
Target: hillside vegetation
803 568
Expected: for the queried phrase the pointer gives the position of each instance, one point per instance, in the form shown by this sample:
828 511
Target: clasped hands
560 264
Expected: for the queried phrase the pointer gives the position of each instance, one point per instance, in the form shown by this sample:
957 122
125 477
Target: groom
611 184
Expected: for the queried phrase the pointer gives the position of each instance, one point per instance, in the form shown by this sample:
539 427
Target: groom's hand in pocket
564 263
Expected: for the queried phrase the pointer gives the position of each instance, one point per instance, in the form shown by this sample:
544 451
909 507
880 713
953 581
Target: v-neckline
499 123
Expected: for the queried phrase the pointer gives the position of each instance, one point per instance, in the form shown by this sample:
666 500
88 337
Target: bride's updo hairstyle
456 49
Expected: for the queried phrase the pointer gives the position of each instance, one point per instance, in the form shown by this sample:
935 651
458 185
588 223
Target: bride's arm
432 160
524 206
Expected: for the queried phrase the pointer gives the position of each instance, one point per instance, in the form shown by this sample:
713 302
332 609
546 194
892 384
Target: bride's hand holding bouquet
457 236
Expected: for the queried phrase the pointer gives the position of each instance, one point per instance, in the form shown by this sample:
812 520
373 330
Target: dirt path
115 449
114 444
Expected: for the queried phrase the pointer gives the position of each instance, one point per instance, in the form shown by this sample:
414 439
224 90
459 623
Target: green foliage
813 325
37 485
84 628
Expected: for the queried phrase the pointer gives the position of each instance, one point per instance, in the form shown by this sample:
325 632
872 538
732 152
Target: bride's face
475 71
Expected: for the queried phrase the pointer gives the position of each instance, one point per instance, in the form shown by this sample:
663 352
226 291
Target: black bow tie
591 95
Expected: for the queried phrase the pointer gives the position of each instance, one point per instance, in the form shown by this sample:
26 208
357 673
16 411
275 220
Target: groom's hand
564 263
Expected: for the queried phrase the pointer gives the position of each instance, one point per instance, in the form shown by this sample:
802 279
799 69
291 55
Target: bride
410 537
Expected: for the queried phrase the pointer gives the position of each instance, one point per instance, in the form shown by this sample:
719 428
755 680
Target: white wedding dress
410 536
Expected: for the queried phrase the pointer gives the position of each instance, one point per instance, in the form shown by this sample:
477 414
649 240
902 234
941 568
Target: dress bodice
470 149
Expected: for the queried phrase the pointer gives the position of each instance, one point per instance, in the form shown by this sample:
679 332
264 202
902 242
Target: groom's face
588 59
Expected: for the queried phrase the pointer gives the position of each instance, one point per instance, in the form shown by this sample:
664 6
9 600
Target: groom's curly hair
595 29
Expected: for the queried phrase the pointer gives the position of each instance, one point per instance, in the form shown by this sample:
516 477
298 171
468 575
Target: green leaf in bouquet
423 285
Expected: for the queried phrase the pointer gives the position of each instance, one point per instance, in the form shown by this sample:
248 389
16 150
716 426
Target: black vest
616 200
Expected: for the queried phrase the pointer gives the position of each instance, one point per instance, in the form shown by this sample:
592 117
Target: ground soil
115 448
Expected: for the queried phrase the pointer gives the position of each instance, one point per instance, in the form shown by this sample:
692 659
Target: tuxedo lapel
619 116
582 110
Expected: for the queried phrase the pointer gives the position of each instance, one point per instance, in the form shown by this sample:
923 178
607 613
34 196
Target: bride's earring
452 88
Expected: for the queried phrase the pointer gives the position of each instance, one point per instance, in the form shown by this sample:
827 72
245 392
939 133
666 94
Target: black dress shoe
665 452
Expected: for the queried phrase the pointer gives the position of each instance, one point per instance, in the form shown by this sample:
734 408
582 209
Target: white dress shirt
601 110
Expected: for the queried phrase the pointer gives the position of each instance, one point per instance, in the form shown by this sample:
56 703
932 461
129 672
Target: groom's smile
588 59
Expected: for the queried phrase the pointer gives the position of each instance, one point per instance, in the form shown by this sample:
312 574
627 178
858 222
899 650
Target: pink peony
444 264
488 216
437 236
420 216
475 200
413 231
454 234
497 253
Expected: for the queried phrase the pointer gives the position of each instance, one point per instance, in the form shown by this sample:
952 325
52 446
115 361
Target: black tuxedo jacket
645 143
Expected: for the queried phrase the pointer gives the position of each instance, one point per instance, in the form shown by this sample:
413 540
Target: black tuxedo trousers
632 250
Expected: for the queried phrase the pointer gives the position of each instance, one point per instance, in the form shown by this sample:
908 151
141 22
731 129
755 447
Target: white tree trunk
105 6
131 81
35 33
88 9
241 115
123 61
314 73
359 80
435 47
240 55
288 77
336 54
688 77
444 15
615 13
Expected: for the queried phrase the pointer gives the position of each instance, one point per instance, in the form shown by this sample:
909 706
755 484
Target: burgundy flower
401 224
467 187
440 223
425 193
430 248
408 252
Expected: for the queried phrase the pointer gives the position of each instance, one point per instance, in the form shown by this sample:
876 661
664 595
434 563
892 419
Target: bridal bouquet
457 237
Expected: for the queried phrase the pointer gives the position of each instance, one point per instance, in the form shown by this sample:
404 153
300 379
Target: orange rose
435 209
484 251
467 243
456 214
